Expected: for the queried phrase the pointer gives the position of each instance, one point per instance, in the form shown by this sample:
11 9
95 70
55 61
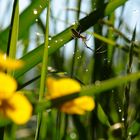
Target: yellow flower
7 63
19 110
78 106
61 87
13 104
7 86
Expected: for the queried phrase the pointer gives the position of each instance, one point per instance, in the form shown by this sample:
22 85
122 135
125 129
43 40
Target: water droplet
72 135
137 42
49 110
56 41
123 119
95 9
39 34
50 69
35 11
120 110
97 83
50 38
73 23
116 126
105 59
77 50
36 20
130 133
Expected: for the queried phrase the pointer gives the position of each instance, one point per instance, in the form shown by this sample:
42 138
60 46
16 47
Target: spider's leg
98 50
74 36
88 46
101 51
79 32
88 37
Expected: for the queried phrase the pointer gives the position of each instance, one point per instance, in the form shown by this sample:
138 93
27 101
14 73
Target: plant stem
76 41
58 125
43 72
128 86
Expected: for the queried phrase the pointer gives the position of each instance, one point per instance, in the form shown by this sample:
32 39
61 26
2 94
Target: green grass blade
13 37
113 5
10 130
33 58
104 39
4 121
102 86
27 18
102 116
40 132
134 128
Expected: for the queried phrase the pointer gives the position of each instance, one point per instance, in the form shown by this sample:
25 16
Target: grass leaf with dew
32 58
134 128
26 19
101 86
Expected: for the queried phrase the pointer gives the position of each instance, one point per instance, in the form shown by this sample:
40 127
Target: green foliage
109 72
113 5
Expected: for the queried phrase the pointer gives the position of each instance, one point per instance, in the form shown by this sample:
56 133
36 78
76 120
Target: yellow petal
7 63
71 108
85 102
20 109
61 87
78 106
7 85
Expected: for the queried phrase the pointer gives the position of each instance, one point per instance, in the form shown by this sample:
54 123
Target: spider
76 34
